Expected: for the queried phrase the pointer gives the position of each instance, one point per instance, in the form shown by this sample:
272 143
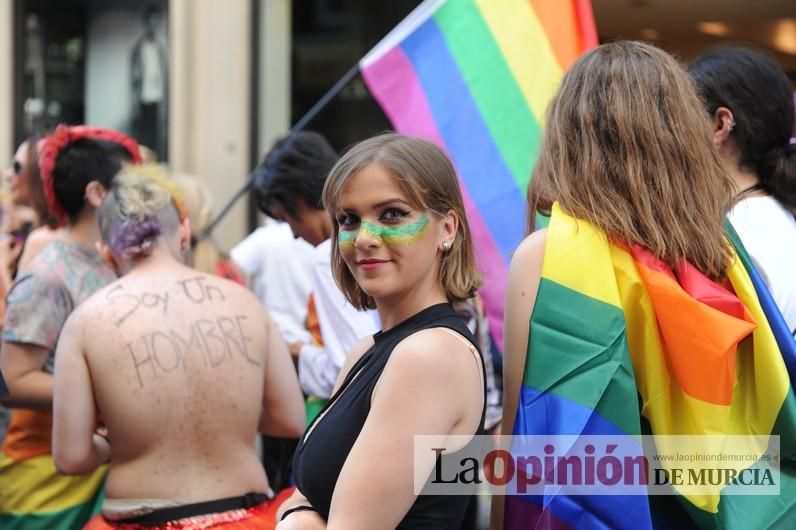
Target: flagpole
299 126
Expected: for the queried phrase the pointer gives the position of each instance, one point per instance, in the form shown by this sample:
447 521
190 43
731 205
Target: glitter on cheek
405 234
391 235
346 239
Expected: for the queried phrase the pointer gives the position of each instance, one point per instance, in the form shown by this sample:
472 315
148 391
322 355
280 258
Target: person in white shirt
288 187
280 269
750 101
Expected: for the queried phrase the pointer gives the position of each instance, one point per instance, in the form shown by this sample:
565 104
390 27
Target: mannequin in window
148 74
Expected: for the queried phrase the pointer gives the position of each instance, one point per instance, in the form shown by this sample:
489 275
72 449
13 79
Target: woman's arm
28 385
298 520
432 385
524 275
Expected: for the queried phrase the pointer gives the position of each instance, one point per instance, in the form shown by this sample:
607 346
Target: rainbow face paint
390 235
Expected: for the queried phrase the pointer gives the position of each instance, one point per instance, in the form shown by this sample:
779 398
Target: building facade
210 84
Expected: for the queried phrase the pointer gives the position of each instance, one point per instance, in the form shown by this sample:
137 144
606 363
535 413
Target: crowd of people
141 364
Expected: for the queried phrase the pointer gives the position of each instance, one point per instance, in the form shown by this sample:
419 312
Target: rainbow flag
622 345
33 495
475 78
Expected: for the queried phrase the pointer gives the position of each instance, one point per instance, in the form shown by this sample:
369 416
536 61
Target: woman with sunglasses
27 226
27 221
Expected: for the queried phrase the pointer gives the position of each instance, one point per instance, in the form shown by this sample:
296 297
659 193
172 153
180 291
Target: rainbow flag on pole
475 77
622 345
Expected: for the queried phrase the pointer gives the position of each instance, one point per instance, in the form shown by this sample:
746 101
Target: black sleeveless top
320 455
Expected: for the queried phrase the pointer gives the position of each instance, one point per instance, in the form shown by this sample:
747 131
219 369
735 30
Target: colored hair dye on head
136 212
159 174
132 239
390 235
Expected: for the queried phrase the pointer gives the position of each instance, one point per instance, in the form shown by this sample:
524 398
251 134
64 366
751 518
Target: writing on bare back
198 291
129 302
205 342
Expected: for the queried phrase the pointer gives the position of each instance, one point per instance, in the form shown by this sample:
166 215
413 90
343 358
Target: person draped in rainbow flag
77 166
632 313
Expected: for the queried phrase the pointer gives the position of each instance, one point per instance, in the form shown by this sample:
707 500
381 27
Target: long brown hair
627 148
427 177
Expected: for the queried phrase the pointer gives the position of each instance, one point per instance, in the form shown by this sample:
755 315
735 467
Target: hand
304 520
295 348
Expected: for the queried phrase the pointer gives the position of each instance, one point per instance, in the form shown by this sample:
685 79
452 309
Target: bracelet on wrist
302 508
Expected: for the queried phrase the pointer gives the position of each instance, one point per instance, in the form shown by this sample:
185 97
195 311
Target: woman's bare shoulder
531 249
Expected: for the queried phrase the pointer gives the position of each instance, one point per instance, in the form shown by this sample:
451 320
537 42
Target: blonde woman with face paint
401 246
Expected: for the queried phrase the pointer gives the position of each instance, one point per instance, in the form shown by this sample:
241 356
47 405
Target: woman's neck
396 309
744 179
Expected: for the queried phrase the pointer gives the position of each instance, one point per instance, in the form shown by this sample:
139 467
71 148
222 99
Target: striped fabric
475 78
33 496
620 344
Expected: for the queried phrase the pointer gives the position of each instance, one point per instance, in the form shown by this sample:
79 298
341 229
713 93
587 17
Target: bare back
178 362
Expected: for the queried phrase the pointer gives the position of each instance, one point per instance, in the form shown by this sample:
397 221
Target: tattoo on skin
390 235
156 354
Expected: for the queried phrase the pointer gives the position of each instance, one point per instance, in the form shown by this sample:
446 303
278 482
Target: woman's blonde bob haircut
427 178
627 148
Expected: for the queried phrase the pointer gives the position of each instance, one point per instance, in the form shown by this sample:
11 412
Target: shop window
100 63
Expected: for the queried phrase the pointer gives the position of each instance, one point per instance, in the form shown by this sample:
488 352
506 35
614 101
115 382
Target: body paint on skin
390 235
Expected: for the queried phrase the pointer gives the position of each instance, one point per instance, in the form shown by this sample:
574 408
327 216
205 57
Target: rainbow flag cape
33 496
622 345
475 77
